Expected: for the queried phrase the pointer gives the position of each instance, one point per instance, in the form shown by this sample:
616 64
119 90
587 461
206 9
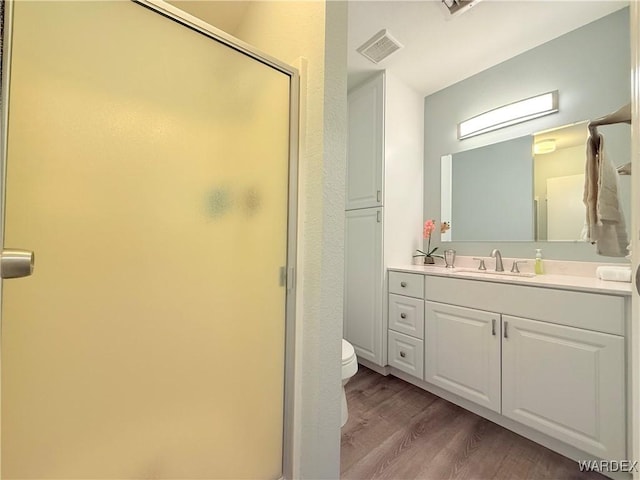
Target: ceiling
227 15
565 137
440 50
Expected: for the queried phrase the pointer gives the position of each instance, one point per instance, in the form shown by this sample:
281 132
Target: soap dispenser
539 269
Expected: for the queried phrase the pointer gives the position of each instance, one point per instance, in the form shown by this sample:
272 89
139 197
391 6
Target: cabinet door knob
402 354
493 327
403 315
403 284
506 326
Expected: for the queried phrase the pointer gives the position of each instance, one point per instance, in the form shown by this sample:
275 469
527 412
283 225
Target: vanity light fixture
511 114
544 146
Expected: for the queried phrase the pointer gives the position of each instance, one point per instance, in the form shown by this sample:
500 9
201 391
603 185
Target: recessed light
544 146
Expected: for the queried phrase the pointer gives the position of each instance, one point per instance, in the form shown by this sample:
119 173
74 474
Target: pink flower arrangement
429 227
427 230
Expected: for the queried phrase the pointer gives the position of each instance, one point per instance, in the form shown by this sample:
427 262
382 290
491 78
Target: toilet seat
349 360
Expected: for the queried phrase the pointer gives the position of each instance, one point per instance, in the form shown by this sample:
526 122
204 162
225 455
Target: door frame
634 341
287 278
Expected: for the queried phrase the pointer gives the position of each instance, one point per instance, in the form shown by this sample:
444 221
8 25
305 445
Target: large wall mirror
528 188
496 201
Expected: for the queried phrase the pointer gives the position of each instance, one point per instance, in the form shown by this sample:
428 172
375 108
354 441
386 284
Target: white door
566 382
363 283
565 209
147 167
365 155
462 352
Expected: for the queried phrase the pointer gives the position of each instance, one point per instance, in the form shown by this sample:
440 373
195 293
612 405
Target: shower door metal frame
215 34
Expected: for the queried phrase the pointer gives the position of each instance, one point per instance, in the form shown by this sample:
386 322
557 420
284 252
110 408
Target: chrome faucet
498 256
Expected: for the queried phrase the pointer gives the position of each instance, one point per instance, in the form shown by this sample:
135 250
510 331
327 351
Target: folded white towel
614 274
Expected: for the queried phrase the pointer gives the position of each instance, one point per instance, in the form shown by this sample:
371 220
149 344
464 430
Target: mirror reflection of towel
605 219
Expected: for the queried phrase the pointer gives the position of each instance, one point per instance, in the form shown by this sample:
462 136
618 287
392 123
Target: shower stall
149 162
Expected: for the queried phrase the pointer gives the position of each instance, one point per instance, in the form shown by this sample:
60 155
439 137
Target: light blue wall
590 67
505 209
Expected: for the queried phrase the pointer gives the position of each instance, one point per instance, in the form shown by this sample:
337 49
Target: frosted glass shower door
148 169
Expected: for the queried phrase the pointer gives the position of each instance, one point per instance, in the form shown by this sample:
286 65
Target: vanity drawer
591 311
406 353
409 284
406 315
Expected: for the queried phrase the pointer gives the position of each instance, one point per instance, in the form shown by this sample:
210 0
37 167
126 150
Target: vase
429 261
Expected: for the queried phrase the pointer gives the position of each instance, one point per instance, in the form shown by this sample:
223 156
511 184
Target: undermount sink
493 272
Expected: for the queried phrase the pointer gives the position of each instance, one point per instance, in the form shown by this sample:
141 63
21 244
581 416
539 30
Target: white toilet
349 369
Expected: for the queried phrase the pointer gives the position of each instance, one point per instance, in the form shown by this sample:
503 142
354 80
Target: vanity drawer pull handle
402 354
493 327
403 315
403 284
506 325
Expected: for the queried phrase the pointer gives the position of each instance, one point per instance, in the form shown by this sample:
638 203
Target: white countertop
580 283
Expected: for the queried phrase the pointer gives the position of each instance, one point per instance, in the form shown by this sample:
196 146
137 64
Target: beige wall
562 162
294 32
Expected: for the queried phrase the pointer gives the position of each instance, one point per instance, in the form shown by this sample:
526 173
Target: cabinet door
565 382
365 145
364 283
462 352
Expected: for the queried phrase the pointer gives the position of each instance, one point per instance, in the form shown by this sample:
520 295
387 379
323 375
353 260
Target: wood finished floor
398 431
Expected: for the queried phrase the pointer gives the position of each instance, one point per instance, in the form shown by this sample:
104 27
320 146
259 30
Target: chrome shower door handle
15 263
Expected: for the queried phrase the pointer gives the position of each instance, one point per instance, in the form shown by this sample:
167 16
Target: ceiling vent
380 46
456 7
